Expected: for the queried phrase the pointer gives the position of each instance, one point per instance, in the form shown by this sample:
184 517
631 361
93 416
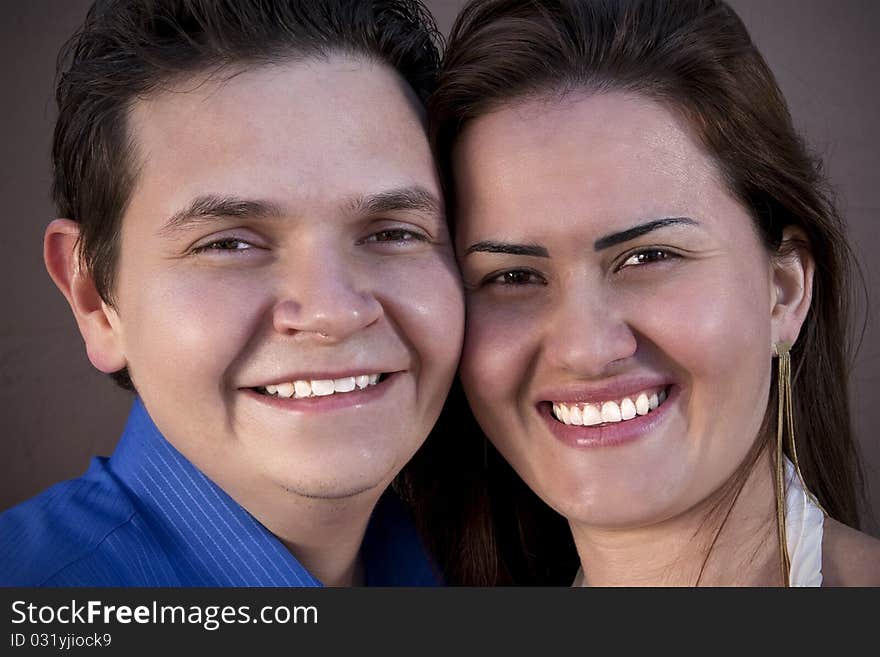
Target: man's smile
306 388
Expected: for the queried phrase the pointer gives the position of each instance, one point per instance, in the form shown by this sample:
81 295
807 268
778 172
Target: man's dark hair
128 49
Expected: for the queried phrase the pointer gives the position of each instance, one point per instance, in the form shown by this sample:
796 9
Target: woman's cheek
499 342
705 318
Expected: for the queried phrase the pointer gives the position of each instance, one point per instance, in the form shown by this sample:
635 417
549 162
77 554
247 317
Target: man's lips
322 380
322 396
323 375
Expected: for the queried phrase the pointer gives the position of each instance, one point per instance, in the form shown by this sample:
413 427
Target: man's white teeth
321 387
302 389
343 385
588 415
285 390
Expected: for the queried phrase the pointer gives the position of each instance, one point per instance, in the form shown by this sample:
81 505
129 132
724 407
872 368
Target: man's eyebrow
533 250
207 207
414 199
637 231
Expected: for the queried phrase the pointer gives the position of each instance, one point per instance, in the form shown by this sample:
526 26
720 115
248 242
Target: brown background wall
56 411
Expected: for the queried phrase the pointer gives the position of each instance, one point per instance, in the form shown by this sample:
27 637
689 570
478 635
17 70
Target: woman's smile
609 423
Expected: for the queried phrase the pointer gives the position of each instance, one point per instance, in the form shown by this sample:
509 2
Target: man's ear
96 320
792 290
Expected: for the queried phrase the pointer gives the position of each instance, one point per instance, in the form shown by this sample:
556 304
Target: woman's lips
618 409
609 431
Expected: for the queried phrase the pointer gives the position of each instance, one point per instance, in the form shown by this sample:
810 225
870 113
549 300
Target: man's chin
340 491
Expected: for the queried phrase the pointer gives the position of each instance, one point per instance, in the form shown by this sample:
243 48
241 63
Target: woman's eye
516 277
646 257
224 244
396 235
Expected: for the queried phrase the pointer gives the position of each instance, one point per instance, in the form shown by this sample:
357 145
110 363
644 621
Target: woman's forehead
615 158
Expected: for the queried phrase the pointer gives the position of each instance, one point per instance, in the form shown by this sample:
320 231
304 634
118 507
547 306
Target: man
254 242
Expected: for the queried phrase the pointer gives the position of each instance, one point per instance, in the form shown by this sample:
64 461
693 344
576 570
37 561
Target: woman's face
621 306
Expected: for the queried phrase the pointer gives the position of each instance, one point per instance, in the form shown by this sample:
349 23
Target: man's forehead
335 89
325 89
285 138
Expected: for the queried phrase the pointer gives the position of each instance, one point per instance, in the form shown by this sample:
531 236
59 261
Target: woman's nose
589 333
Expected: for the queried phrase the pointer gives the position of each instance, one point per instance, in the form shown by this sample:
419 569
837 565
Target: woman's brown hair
696 58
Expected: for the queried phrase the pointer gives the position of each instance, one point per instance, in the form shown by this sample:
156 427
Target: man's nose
326 298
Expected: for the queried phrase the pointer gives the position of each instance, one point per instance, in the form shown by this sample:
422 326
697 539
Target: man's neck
326 538
323 534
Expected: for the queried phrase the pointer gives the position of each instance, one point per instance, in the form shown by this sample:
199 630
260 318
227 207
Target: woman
657 303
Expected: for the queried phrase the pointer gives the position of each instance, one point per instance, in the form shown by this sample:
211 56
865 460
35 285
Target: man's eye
396 235
224 244
647 257
516 277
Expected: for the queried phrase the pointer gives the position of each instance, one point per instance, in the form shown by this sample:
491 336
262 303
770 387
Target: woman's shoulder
849 557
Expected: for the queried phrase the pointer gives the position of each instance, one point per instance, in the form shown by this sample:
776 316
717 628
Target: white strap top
804 521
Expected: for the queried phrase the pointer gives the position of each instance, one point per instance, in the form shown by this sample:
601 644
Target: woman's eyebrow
538 251
534 250
636 231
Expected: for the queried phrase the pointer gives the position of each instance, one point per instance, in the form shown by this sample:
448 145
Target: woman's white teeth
591 415
321 387
627 409
588 415
564 414
610 412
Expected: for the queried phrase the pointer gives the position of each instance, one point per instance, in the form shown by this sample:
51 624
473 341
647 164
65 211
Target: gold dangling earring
785 425
783 392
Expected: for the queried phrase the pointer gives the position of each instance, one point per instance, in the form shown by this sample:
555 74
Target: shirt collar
214 541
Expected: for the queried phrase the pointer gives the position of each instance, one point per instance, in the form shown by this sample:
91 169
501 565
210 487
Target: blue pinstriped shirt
147 517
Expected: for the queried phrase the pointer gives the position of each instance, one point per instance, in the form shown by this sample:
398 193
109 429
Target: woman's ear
792 290
97 321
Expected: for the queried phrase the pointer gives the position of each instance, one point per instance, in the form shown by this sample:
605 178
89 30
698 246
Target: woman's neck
724 541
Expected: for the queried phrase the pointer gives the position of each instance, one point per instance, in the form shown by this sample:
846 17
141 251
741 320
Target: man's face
287 300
